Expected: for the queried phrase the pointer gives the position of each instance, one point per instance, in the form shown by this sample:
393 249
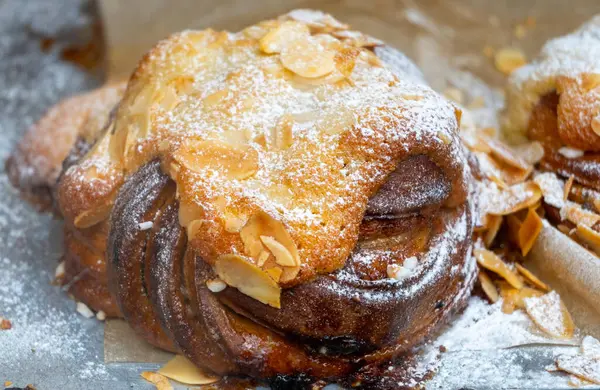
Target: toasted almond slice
357 38
514 226
488 287
590 81
274 273
336 121
492 262
575 381
345 60
552 188
515 198
283 35
160 381
514 299
509 59
318 21
590 347
262 258
529 231
289 273
493 226
503 153
596 124
308 59
283 257
531 152
568 186
532 278
182 370
233 224
589 236
235 161
581 366
239 272
282 135
578 215
262 224
551 315
193 228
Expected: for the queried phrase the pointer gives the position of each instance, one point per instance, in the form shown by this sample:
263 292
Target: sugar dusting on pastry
242 131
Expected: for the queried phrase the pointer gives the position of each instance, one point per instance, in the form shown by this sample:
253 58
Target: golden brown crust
36 162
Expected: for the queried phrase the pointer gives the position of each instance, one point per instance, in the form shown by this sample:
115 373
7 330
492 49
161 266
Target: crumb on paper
101 316
520 31
7 383
488 51
84 310
509 59
5 324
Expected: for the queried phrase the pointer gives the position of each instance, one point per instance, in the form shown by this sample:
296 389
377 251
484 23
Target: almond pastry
260 196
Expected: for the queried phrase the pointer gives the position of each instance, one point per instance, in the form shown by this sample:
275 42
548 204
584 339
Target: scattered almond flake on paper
590 347
182 370
161 382
552 188
550 314
5 324
582 366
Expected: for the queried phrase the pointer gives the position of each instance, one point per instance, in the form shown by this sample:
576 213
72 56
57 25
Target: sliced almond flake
262 258
529 231
183 370
516 197
589 236
357 38
582 366
552 188
160 381
283 35
262 224
575 381
345 60
488 286
500 173
531 152
489 260
235 161
239 272
275 273
503 153
590 347
578 215
318 21
493 226
568 186
590 81
283 257
282 134
532 278
551 315
514 299
309 59
509 59
193 228
514 227
596 124
570 153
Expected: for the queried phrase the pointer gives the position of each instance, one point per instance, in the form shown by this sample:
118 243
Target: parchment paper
445 38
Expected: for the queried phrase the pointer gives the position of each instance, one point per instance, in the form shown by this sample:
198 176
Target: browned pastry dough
36 162
326 189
